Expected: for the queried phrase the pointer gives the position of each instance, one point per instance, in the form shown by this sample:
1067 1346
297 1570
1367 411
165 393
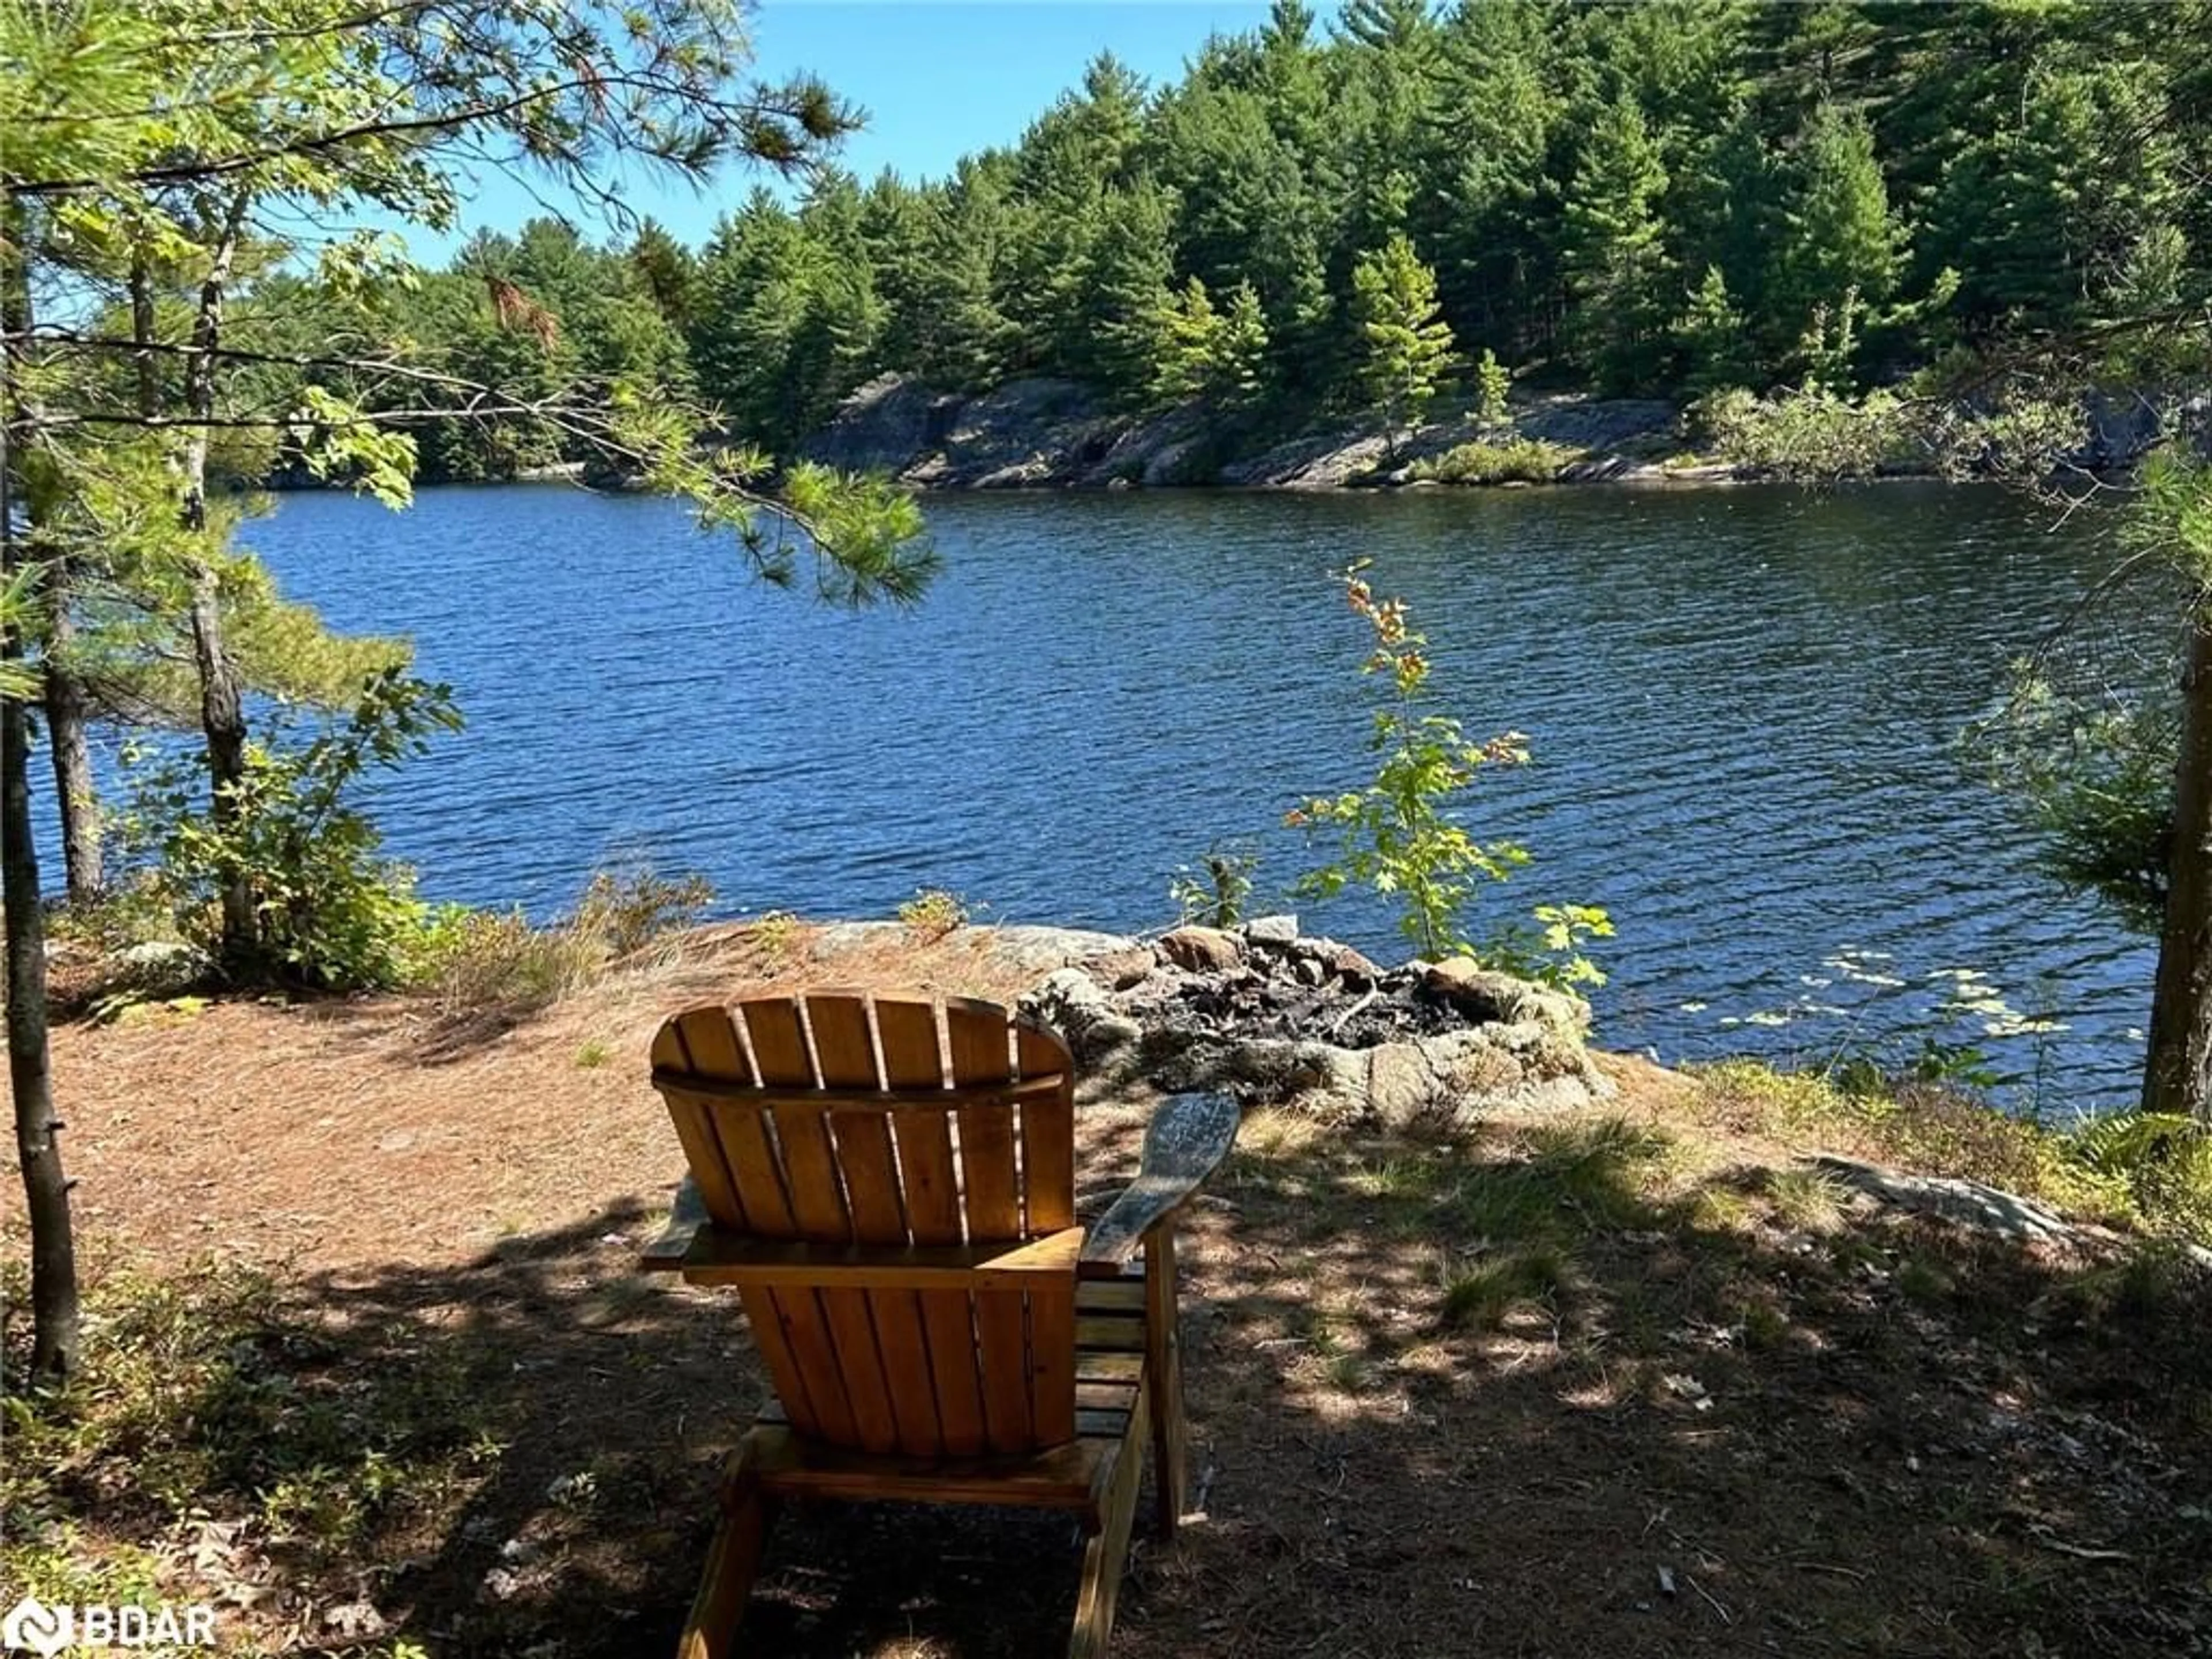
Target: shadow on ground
1562 1391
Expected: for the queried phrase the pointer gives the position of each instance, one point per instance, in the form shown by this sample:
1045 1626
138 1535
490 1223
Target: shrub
137 911
1214 895
932 912
1505 460
621 915
1812 434
776 933
474 961
2164 1160
1396 836
329 913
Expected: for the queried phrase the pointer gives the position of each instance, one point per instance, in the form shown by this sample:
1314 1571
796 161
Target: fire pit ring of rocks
1273 1016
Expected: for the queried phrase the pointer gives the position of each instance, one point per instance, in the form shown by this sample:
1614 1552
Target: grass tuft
1805 1200
776 934
1480 1296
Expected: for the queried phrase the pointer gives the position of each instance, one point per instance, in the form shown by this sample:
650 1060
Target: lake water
1742 703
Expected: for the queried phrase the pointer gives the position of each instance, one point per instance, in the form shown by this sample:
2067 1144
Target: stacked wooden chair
890 1185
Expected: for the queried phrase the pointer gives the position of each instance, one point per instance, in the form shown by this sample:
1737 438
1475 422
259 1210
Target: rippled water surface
1743 704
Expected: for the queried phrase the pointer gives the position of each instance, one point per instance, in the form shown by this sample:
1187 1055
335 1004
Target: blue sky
937 80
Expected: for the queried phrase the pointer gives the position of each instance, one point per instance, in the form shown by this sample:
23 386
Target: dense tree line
1665 197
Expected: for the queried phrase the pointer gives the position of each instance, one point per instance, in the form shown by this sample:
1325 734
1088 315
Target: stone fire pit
1273 1015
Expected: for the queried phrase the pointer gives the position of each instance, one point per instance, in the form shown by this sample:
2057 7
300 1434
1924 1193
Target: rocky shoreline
1045 434
1049 434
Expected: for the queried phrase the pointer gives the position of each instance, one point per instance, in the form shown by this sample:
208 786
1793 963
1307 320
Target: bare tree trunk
2178 1073
222 714
75 796
142 331
54 1316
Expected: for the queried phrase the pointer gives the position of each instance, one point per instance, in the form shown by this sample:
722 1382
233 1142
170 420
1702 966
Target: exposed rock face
1327 461
1046 432
882 426
1026 432
1026 948
1275 1016
1029 947
1597 423
1042 432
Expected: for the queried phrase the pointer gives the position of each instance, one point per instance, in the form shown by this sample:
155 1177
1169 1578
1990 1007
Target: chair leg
1164 1372
733 1562
1107 1551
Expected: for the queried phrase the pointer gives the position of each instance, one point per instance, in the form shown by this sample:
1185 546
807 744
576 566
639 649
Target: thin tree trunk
142 331
76 797
54 1316
2178 1073
222 714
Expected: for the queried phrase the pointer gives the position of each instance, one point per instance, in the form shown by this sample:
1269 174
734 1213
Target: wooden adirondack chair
891 1187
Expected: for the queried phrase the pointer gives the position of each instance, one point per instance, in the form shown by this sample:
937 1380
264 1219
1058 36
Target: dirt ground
1619 1385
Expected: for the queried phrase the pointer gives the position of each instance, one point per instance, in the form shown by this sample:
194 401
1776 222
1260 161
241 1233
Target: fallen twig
2081 1552
1827 1566
1710 1601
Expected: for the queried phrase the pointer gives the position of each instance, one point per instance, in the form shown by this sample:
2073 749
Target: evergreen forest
1667 199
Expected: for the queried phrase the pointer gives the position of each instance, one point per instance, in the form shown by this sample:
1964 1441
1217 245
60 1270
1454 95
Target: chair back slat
1047 1141
977 1037
844 1055
741 1166
772 1102
1048 1134
810 1177
930 1180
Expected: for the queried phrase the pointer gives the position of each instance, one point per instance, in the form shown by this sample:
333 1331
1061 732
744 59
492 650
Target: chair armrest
1185 1143
719 1258
685 1218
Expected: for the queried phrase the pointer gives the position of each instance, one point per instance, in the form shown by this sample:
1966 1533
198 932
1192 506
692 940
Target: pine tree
1241 368
1408 344
1710 337
1124 290
666 268
755 301
1493 390
1613 252
1485 208
1206 352
1190 347
963 339
1837 239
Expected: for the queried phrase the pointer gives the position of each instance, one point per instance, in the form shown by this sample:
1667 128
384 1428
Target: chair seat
1109 1378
